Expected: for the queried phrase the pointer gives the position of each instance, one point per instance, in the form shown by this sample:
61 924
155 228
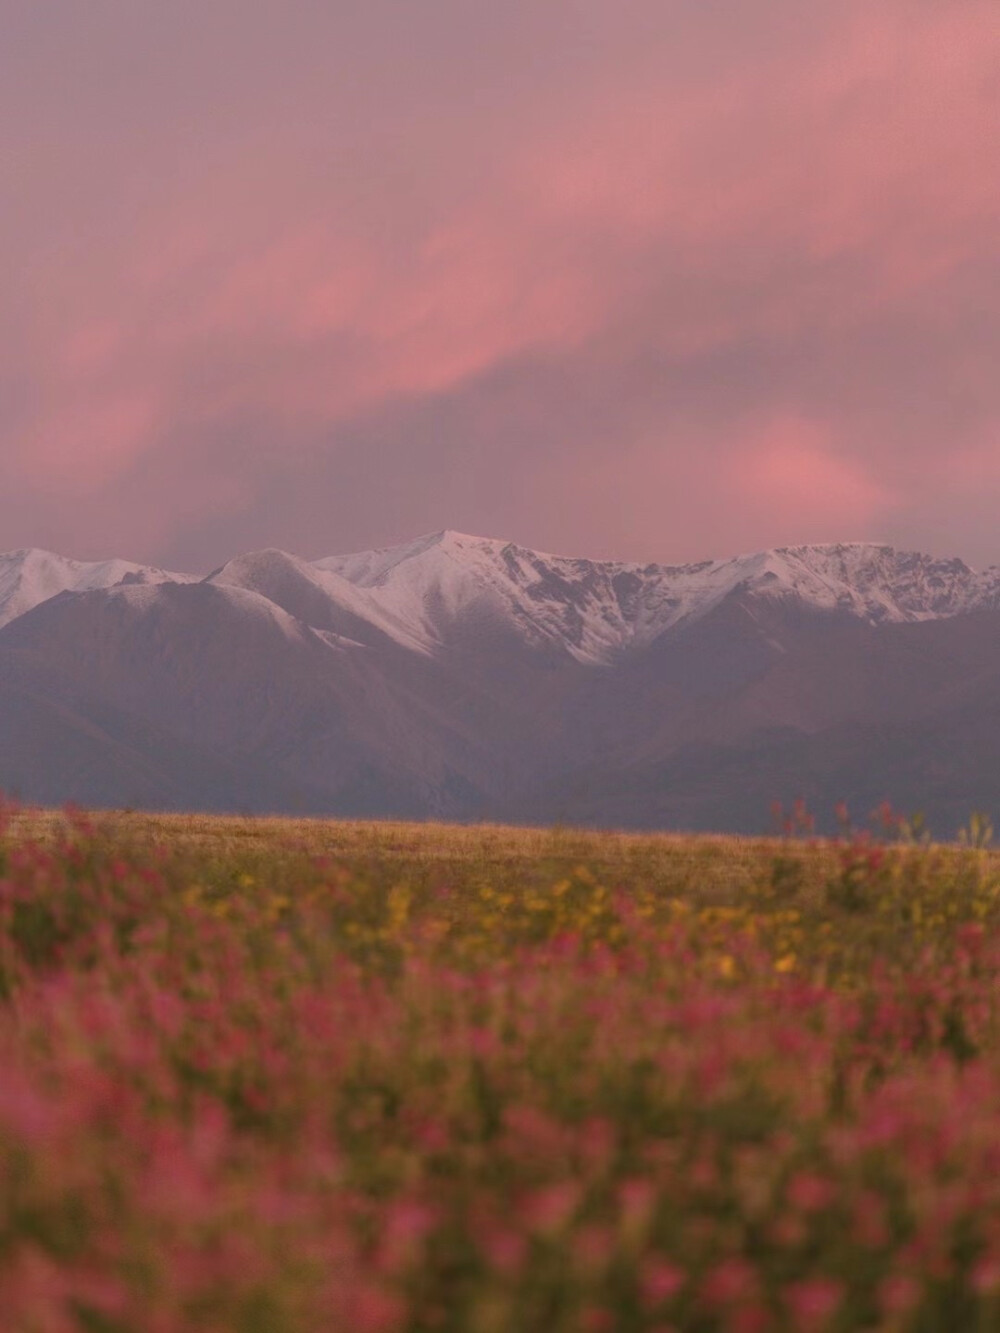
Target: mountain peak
464 676
30 575
425 591
598 609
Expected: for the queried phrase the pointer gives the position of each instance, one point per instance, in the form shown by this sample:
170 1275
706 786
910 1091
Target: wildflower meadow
280 1077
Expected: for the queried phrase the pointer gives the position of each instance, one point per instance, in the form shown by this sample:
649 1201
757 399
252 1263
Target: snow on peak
317 596
368 569
874 582
427 593
598 609
448 580
29 577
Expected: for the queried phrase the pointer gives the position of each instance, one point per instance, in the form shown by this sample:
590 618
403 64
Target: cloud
792 470
638 278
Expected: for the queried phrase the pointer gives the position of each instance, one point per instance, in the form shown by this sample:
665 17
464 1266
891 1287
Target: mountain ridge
621 603
872 580
463 677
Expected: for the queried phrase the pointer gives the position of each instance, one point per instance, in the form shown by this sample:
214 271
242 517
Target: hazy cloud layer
660 278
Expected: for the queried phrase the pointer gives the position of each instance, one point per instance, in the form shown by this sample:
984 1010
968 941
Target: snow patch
425 593
599 610
29 577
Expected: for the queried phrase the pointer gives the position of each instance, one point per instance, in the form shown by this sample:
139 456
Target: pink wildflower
660 1281
374 1310
899 1294
597 1319
505 1250
986 1274
752 1318
26 1112
813 1302
549 1209
405 1226
732 1280
809 1192
593 1247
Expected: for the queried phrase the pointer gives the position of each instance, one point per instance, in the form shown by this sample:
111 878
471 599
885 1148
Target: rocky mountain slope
462 677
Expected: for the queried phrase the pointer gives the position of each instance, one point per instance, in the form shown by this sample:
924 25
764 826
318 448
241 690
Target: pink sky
662 279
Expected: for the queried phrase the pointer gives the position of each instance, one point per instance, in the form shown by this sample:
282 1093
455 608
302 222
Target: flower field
291 1078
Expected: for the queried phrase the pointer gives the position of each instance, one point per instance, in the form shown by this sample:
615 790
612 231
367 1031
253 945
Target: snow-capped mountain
598 609
29 577
461 676
319 597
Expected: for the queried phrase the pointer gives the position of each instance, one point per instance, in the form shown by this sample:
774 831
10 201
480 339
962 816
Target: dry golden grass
701 868
399 840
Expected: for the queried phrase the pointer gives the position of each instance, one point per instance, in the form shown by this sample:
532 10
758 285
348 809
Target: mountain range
460 677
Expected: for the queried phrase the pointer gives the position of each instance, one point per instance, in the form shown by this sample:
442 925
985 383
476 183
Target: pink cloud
872 141
642 187
791 471
82 442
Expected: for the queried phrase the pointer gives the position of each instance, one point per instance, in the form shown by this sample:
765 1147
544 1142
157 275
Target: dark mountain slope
458 677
